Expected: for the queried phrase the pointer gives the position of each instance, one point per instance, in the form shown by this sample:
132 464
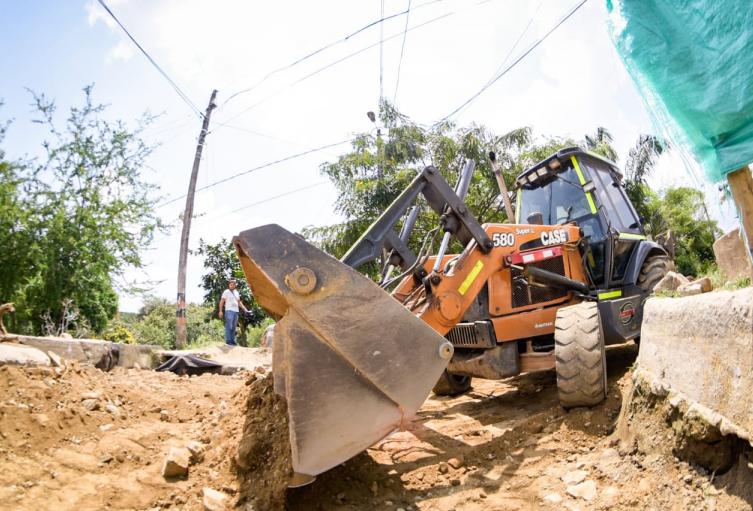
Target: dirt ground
505 445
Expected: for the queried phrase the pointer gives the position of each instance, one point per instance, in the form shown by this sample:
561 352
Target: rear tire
580 358
653 270
452 384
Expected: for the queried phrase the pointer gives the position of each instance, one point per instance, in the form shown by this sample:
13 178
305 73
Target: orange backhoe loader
355 361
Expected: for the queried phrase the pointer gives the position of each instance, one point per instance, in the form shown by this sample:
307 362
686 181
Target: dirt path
505 445
508 446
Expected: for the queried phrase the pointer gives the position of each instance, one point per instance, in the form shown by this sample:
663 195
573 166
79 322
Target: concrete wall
96 352
700 349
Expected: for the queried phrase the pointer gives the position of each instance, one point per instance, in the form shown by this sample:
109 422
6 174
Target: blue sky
568 86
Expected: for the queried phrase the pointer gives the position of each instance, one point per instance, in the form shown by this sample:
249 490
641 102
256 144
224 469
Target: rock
456 462
644 486
22 355
585 490
731 256
90 395
90 404
574 476
214 500
688 478
41 419
164 415
671 281
702 285
553 498
443 468
105 458
55 359
106 427
197 451
260 370
111 408
455 481
340 497
176 462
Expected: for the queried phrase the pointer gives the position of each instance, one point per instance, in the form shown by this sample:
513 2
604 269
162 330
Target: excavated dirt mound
263 457
658 424
77 438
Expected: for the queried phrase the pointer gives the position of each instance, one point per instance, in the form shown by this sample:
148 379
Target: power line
327 46
338 61
274 197
259 134
175 87
381 57
402 50
516 62
517 41
254 169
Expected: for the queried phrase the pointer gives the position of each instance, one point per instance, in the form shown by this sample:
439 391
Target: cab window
559 199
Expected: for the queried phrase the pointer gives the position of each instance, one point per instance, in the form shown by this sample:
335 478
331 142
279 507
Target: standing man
231 300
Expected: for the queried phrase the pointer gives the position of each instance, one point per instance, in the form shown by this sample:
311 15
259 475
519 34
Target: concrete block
22 355
102 354
731 255
701 348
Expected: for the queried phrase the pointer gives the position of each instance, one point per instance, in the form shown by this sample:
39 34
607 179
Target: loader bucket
351 361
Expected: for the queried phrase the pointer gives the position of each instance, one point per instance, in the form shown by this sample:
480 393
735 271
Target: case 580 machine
355 361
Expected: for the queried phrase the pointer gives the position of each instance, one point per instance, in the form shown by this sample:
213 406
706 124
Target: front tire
580 356
653 270
452 384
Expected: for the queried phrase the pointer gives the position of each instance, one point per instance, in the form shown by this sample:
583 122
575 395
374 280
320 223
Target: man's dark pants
231 322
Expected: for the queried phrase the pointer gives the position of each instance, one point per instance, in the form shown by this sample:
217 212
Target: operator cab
578 186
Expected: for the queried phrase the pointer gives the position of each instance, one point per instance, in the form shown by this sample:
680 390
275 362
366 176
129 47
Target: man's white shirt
231 299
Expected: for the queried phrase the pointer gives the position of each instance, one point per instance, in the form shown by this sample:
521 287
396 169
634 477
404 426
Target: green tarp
692 61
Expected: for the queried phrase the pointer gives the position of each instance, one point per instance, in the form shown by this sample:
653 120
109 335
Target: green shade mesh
692 61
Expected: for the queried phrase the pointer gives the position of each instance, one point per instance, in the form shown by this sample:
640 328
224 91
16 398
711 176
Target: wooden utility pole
741 186
502 187
180 312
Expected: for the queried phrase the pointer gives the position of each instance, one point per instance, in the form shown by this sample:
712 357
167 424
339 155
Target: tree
601 143
684 212
222 264
17 248
638 166
378 168
86 213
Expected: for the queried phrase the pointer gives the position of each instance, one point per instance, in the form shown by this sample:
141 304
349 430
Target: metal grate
472 335
523 294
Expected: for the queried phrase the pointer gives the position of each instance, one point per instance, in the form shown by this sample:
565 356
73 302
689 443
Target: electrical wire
331 64
259 167
327 46
274 197
514 63
517 41
402 51
175 87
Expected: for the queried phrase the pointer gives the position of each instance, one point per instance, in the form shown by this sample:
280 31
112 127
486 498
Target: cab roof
563 157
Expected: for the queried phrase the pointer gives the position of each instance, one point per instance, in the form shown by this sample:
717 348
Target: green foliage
222 264
379 167
601 143
73 221
155 324
254 333
117 331
683 211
